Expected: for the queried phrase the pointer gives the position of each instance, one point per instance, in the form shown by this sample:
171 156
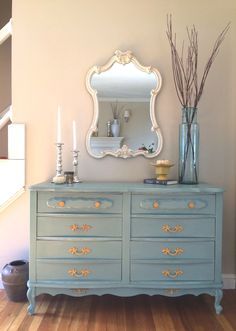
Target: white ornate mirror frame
124 152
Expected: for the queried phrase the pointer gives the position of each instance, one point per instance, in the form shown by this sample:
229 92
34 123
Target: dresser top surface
118 187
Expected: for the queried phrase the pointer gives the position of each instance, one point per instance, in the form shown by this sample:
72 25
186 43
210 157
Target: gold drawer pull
61 203
82 228
175 252
97 204
191 205
83 251
80 290
172 274
171 291
172 229
155 204
81 273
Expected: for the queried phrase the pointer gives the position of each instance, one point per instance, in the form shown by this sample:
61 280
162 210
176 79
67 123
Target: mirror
124 122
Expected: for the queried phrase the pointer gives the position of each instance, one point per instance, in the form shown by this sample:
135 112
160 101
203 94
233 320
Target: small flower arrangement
149 149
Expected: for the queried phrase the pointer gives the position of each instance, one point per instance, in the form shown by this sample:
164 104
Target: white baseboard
229 281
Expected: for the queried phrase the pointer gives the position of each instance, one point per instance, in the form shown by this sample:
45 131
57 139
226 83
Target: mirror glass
124 123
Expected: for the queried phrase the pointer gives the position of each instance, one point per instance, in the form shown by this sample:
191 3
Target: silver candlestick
75 166
59 178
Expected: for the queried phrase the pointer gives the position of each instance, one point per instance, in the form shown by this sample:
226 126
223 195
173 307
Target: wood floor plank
161 308
52 316
111 313
75 317
35 321
115 311
18 319
3 300
9 314
227 319
195 314
143 314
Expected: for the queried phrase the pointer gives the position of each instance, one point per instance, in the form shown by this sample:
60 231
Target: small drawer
79 226
195 204
77 202
172 250
64 270
74 249
172 272
180 226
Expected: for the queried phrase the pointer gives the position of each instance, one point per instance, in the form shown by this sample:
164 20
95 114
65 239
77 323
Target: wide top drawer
53 202
188 204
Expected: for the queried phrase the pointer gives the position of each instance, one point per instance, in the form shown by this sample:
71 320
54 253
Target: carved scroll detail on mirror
126 90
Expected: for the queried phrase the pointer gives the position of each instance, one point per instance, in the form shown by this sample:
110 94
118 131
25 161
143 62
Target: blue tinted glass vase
189 147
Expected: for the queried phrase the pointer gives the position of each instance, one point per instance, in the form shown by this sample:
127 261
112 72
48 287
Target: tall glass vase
189 147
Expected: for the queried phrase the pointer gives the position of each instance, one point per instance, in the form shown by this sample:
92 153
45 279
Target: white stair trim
12 170
5 116
229 281
12 199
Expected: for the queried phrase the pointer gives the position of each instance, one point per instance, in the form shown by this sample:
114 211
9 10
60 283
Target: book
160 182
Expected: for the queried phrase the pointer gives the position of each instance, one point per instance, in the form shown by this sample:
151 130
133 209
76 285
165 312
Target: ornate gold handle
80 290
171 291
155 204
173 229
191 205
175 252
81 273
82 228
97 204
172 274
83 251
61 203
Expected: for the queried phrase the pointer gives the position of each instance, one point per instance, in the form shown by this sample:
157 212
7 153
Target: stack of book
160 182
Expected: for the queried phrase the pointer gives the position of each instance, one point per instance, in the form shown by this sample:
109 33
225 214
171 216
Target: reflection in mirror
124 123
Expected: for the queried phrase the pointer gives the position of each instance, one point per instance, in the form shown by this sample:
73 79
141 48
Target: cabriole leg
31 298
218 297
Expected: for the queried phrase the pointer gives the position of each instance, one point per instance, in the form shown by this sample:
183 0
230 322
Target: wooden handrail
5 32
5 116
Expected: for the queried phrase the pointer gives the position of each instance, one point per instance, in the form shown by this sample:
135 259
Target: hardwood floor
110 313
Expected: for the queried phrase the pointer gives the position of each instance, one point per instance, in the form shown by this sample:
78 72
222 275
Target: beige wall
54 45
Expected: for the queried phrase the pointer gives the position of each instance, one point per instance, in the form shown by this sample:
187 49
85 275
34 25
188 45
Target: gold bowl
162 168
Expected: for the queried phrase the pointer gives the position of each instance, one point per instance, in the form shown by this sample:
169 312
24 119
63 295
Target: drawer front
189 204
63 270
79 250
77 202
79 226
172 250
172 272
172 227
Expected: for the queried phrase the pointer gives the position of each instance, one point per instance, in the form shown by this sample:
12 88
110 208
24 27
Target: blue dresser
125 239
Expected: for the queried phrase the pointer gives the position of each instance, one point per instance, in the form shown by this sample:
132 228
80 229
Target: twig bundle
116 109
185 70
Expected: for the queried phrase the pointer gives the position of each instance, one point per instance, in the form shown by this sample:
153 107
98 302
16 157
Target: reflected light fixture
127 115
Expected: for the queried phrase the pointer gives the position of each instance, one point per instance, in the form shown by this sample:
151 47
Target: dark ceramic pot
14 278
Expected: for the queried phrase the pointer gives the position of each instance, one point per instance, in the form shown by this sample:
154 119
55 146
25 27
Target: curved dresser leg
31 298
218 297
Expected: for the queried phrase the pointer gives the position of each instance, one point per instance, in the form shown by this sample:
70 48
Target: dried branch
116 109
185 68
